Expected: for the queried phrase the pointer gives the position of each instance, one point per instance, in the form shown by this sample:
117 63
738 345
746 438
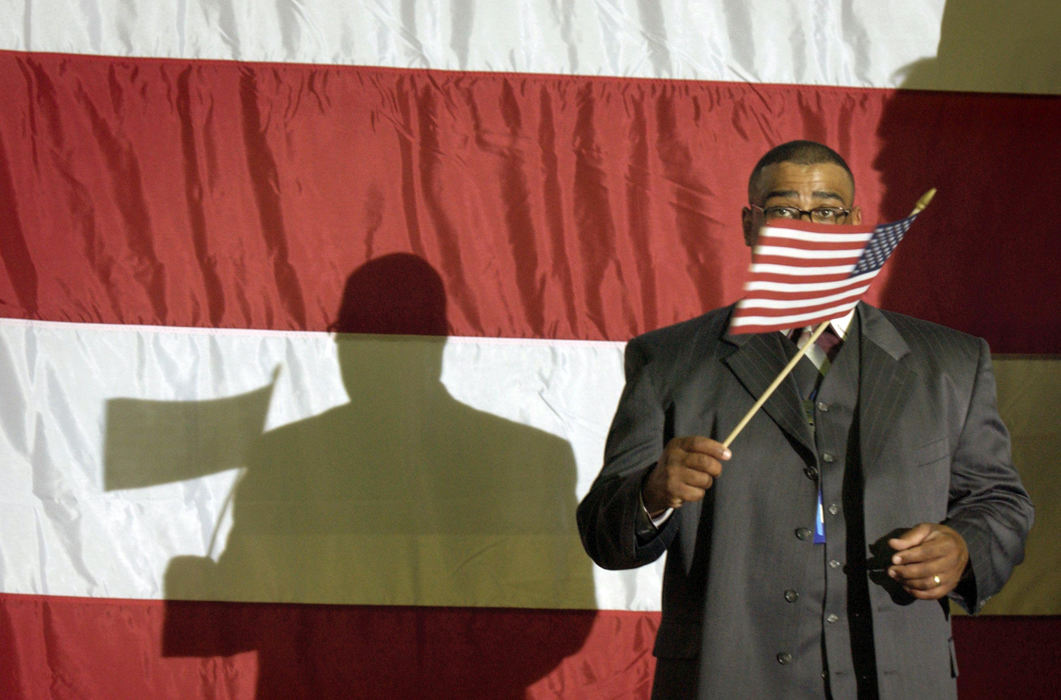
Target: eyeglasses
819 215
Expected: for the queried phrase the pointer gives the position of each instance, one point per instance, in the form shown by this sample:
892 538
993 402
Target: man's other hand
686 470
929 560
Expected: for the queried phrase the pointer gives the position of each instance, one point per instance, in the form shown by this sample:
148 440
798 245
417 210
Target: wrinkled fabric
266 466
769 42
234 195
209 177
277 449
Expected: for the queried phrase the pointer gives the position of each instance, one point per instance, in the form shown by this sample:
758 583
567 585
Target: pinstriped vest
839 630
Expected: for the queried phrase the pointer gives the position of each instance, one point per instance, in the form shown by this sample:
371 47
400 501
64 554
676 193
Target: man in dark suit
863 497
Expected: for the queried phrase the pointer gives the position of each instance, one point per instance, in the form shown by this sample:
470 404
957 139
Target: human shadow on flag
985 150
979 259
403 496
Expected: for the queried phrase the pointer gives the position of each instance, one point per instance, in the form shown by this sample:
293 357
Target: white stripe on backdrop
124 447
767 41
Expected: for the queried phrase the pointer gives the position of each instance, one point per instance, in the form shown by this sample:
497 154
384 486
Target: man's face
804 187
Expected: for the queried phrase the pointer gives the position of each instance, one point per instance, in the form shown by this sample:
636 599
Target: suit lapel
756 360
886 381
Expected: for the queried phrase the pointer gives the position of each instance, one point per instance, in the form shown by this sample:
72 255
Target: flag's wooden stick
921 204
774 384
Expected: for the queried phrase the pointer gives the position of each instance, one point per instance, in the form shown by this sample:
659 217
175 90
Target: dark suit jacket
932 449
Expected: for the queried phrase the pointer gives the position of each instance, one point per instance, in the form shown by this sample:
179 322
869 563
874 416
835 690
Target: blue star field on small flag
884 240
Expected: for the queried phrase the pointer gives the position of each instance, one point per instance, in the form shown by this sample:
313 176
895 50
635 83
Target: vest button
831 618
828 457
833 509
834 564
791 595
823 407
803 533
811 473
784 658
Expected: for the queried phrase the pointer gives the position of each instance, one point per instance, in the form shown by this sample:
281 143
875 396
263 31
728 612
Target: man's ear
856 215
751 231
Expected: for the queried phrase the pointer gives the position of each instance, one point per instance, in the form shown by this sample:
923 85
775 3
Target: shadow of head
385 302
397 294
972 121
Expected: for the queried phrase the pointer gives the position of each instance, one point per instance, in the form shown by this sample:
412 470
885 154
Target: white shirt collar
840 325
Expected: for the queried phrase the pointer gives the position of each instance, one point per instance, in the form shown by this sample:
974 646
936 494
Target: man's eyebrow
818 194
823 194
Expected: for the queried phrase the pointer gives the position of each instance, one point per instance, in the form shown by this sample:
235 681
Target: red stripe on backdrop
217 194
188 649
182 649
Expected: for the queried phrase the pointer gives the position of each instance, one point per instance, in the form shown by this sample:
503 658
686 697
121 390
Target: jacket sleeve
608 515
988 505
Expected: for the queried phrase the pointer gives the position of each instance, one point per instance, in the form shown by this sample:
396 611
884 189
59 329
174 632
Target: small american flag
805 273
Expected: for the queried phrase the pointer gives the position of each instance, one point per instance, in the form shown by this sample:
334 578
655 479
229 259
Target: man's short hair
801 152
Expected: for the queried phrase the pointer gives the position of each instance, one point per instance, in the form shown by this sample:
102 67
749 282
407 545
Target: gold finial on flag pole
918 208
924 201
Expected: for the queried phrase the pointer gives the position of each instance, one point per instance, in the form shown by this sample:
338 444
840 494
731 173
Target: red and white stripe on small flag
805 273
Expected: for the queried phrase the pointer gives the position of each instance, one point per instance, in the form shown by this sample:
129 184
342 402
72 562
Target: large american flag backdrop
313 314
